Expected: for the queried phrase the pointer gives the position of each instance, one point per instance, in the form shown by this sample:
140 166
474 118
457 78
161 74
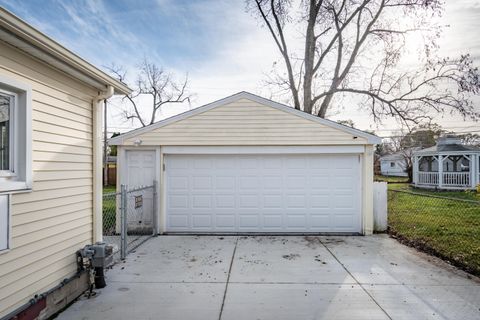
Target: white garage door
263 193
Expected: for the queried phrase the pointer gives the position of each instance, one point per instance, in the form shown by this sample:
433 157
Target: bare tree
157 84
409 140
354 48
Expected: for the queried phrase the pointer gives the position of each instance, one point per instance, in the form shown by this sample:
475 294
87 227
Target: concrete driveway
281 277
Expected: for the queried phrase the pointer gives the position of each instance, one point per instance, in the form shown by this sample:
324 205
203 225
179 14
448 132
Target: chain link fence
128 218
443 226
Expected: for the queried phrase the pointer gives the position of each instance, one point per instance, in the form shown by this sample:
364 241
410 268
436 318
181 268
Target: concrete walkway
281 277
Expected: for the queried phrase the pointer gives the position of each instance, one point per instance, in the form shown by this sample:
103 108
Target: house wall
51 223
245 122
398 170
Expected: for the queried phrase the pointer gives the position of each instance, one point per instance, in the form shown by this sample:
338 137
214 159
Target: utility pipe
97 162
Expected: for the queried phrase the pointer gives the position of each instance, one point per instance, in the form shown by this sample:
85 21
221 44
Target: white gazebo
448 165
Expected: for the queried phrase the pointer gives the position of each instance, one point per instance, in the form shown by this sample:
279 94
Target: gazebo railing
430 178
456 179
453 179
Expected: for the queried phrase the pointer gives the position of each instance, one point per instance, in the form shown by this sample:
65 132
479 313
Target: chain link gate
129 218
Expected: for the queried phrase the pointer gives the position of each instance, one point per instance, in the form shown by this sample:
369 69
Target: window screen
5 136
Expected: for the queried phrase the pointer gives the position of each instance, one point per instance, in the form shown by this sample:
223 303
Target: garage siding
52 222
245 122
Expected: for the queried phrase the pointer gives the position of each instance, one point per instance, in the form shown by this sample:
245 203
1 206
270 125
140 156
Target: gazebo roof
449 145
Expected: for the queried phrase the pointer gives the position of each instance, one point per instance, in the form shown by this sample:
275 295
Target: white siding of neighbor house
398 170
245 122
52 222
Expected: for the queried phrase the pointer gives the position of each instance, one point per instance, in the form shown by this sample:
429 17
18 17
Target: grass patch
448 228
391 179
109 210
468 194
109 189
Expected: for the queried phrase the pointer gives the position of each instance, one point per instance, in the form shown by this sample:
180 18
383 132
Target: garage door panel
179 183
295 162
202 221
272 163
319 163
248 162
319 220
272 182
296 182
318 201
223 222
272 201
248 182
225 201
177 201
297 201
248 221
296 221
224 182
263 193
319 182
202 163
202 182
202 202
178 221
272 221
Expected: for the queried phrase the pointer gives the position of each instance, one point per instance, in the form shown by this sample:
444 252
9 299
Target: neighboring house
111 170
393 165
50 167
448 165
248 164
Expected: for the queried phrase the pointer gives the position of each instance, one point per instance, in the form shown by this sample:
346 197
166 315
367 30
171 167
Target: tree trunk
324 107
310 45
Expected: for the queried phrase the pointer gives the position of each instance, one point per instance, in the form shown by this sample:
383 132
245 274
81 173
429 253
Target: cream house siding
245 122
52 222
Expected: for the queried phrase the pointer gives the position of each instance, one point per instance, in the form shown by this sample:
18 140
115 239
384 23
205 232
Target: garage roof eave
371 139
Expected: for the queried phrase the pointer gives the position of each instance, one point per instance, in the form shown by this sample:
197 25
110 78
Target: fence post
123 222
154 208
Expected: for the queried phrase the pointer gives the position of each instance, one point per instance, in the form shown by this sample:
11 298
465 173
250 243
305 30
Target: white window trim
9 226
12 135
14 182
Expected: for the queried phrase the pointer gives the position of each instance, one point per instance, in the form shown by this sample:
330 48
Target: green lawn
469 195
448 228
390 179
109 210
109 189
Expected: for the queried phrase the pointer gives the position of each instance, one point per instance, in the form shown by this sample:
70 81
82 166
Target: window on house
7 105
392 164
15 149
15 136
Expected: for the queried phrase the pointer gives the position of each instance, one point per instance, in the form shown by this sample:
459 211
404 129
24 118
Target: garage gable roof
371 139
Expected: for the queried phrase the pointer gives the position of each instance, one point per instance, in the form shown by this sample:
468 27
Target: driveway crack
358 282
228 279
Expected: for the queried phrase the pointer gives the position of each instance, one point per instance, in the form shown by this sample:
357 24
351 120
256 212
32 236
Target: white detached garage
248 164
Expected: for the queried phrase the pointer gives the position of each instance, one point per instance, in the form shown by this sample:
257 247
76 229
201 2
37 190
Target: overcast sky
220 45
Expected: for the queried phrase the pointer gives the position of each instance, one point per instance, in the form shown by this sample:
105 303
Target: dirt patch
291 256
313 242
333 241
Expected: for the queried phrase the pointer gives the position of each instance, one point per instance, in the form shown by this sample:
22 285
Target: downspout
97 162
